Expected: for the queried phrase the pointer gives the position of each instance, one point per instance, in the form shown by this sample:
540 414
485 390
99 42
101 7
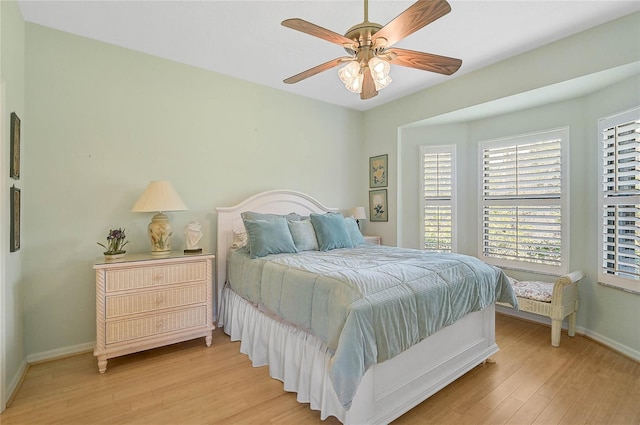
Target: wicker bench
555 300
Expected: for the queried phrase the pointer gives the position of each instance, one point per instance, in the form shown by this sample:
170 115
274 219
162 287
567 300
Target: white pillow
304 236
240 239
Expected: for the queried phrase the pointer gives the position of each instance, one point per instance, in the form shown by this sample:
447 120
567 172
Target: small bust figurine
193 234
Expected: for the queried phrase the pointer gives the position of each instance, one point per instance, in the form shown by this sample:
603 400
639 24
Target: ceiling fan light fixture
351 76
380 72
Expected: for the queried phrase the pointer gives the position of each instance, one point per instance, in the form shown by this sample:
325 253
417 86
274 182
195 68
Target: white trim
614 345
606 279
3 252
60 352
17 378
565 135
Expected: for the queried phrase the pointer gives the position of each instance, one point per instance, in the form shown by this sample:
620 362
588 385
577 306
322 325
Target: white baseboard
13 385
60 352
607 342
614 345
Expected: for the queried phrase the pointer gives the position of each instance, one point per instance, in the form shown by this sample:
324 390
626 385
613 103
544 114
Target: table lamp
159 196
359 214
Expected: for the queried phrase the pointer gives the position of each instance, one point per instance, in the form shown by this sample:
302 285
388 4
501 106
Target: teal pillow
331 231
304 237
269 237
354 231
252 215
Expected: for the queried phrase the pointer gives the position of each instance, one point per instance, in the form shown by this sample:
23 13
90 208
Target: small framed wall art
14 243
378 171
378 208
14 169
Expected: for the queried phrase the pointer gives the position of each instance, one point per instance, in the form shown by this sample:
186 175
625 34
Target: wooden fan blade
317 69
368 86
423 61
316 31
418 15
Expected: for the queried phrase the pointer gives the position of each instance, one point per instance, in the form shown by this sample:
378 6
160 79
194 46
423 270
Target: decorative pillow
304 237
240 239
331 231
269 237
252 215
354 231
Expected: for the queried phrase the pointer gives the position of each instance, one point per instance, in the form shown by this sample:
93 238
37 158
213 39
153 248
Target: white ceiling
244 39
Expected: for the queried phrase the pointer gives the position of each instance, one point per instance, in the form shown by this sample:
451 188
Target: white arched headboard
272 201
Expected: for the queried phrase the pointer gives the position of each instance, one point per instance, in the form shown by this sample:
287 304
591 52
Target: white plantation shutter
620 200
523 199
438 190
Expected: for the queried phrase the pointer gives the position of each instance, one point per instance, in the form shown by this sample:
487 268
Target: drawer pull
159 300
159 326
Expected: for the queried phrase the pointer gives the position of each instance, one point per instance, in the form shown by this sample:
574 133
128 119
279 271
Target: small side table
372 240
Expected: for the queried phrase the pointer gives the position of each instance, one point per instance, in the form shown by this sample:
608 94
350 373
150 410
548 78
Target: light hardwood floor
581 382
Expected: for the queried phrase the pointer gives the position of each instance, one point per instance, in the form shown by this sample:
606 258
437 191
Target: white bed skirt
294 357
387 390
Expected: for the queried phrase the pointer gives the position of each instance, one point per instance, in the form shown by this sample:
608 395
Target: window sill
631 288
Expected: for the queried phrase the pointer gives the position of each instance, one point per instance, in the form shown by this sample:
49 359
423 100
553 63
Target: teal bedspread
369 303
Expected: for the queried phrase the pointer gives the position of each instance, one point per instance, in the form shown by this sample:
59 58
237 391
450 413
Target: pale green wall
12 81
607 314
104 121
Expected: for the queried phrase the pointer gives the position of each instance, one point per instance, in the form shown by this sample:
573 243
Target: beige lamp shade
359 213
159 196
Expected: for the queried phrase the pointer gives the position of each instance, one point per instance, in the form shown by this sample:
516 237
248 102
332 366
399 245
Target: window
524 202
438 200
619 196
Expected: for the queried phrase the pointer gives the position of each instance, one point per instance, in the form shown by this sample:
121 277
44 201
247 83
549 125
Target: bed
361 382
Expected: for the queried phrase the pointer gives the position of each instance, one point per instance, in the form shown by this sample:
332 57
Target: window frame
563 133
452 202
605 278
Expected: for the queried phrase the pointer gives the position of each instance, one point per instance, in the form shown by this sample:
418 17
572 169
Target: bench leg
572 324
556 328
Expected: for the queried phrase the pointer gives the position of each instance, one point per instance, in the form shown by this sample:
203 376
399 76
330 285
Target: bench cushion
533 290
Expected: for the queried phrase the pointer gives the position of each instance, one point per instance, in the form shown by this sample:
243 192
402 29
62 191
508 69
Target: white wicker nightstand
145 302
372 240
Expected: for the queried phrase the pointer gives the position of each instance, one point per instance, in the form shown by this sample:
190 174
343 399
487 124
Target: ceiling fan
369 47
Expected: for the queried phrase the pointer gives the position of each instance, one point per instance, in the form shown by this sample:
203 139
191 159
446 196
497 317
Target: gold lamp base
160 235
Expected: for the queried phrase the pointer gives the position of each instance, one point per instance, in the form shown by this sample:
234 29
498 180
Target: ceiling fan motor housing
361 34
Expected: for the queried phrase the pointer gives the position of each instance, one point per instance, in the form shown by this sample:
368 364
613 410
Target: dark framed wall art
378 208
14 168
14 243
378 171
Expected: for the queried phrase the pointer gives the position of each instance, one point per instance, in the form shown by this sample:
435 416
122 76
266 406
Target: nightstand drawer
141 302
143 277
141 327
